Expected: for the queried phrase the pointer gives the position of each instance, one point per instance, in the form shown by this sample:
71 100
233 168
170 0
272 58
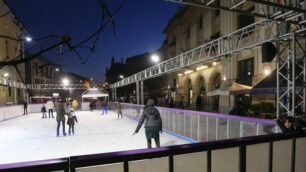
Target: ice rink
30 137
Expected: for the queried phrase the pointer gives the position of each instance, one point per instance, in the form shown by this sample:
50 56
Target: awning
94 93
268 85
234 88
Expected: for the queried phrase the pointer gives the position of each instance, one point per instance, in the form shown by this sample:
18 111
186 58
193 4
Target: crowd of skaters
151 117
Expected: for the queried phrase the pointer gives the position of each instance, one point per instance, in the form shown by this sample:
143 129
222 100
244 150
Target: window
42 72
217 12
173 41
215 36
6 49
18 92
188 32
36 71
246 71
200 23
244 20
9 91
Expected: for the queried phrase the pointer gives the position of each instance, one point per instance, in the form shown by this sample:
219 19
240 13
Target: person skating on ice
104 108
50 107
119 108
43 111
153 124
60 118
71 121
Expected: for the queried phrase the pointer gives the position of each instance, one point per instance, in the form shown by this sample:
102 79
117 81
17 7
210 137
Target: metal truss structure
291 78
289 97
243 39
10 83
64 86
279 10
291 63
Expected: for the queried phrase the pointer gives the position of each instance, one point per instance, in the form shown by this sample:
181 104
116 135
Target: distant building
11 28
42 71
115 71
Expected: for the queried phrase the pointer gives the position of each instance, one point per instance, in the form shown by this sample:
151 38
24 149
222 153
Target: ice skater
104 108
71 121
25 107
60 118
75 105
50 107
119 108
43 111
153 123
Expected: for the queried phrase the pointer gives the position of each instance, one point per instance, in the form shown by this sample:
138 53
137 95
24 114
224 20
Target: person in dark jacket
153 124
71 121
25 107
60 118
292 124
43 111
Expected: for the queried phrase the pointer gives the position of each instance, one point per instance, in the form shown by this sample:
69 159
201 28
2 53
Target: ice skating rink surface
29 138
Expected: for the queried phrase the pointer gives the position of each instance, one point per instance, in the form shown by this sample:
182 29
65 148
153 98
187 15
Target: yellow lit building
194 26
11 30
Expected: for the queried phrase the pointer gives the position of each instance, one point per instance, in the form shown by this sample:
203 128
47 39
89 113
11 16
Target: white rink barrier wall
8 112
198 126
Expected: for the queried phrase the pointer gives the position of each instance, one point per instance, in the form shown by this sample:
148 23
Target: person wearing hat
71 121
153 124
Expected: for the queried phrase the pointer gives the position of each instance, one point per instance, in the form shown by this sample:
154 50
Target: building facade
42 71
11 31
194 26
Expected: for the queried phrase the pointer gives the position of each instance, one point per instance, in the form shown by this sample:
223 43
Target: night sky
139 28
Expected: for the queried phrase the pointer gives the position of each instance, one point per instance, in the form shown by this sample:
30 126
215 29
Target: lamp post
155 58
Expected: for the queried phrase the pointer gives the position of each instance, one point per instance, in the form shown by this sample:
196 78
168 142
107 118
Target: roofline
178 14
15 16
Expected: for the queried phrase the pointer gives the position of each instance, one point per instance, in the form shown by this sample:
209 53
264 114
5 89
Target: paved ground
30 137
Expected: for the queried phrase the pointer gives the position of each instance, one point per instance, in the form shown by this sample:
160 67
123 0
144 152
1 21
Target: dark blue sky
139 28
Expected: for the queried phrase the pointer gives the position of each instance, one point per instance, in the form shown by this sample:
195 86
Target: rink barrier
172 133
59 164
15 111
205 126
10 112
282 152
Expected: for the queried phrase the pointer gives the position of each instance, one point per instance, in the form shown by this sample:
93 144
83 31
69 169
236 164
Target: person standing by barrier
25 107
153 123
119 108
60 118
50 107
75 105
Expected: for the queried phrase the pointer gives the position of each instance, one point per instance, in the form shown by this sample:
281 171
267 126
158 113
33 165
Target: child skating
71 121
43 111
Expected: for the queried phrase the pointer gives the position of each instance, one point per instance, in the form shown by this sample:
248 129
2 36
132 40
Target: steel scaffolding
247 38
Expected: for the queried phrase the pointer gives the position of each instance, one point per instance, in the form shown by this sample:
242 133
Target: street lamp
28 39
155 58
6 74
65 81
57 69
121 76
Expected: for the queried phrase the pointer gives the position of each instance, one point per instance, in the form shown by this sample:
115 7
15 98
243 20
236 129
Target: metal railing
282 152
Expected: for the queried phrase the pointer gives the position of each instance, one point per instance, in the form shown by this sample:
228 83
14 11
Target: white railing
205 126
